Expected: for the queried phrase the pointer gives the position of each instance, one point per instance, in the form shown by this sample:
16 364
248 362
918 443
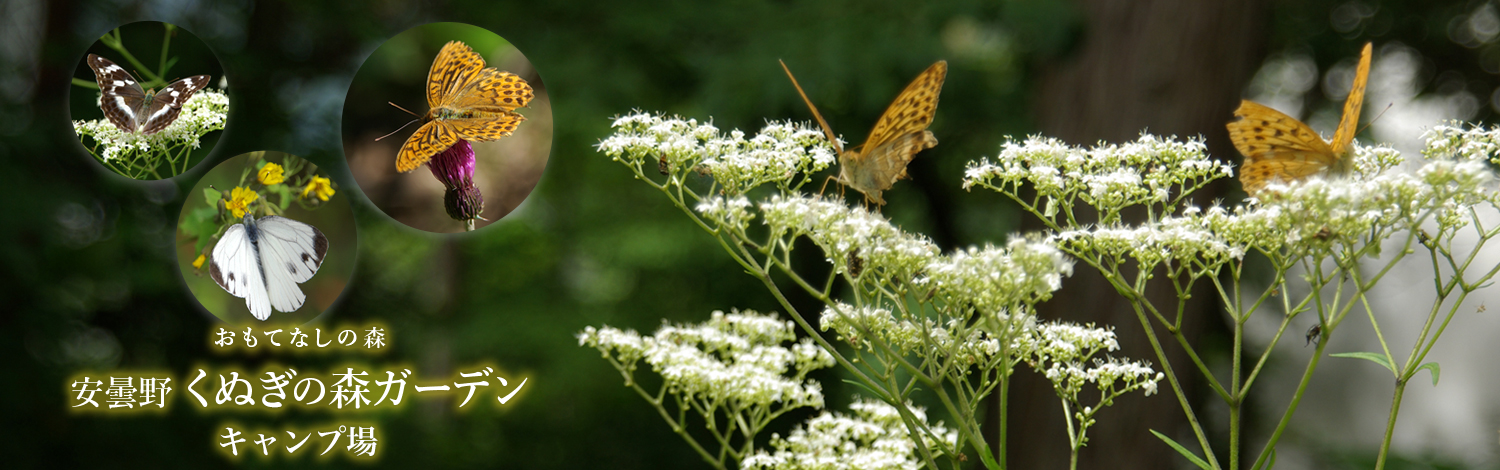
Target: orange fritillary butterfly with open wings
465 100
1280 148
900 133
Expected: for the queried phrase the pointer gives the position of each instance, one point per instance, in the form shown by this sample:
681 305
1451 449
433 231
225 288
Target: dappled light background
92 274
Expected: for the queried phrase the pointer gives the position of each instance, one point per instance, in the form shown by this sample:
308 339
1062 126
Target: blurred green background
91 281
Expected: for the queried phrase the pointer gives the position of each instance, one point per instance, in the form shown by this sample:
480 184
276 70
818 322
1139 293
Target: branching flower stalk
732 371
952 326
1341 237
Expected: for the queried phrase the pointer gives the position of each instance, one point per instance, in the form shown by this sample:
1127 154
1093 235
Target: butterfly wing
483 127
433 137
290 253
164 107
898 135
455 67
122 96
885 164
1275 146
913 109
236 267
827 131
492 91
1349 123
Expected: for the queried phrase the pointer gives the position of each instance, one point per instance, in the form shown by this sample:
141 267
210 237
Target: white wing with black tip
236 267
290 253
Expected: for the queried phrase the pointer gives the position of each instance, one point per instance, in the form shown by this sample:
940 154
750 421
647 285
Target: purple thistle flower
455 168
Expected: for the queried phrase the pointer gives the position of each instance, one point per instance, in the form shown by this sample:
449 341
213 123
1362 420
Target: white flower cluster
998 281
1184 239
1458 141
731 212
1362 210
778 152
735 358
843 231
873 438
1107 177
1060 351
856 325
205 112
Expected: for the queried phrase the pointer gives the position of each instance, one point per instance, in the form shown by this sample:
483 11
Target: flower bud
464 203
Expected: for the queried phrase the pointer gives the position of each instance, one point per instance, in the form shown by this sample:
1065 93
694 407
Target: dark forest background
91 281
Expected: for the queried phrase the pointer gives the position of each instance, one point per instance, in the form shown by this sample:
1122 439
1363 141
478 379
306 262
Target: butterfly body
465 100
134 109
263 260
901 132
1278 147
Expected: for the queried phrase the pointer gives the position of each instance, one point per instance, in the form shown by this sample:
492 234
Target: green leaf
200 224
873 393
1432 366
1182 450
284 192
213 196
1372 357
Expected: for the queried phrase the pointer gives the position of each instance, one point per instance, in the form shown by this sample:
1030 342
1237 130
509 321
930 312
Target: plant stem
1390 424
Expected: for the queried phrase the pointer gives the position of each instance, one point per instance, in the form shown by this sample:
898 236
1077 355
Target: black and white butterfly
133 109
264 260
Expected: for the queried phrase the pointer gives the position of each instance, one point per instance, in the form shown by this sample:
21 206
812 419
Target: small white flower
872 438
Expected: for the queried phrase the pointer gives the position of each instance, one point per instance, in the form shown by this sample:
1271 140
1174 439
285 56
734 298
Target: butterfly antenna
403 109
1373 119
403 126
826 130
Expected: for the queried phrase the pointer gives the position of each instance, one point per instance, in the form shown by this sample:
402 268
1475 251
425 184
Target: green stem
1390 424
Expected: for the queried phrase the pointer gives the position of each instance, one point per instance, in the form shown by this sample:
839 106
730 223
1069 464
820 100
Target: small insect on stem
661 165
854 263
1324 234
1314 334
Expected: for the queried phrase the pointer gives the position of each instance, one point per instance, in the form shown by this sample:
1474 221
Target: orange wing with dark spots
467 101
898 135
1278 147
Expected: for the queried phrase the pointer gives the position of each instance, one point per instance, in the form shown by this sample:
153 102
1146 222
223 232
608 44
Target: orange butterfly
465 100
900 133
1279 148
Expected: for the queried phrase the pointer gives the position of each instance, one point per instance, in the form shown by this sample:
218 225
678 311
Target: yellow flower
198 263
319 186
239 201
270 174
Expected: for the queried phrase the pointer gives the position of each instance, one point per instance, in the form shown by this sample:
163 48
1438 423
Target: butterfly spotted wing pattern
1278 147
465 100
896 138
898 135
133 109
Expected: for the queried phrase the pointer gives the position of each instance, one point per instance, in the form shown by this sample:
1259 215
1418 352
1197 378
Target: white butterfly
264 260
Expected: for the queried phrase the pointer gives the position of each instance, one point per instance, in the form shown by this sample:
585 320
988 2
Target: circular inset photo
148 100
447 127
266 236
